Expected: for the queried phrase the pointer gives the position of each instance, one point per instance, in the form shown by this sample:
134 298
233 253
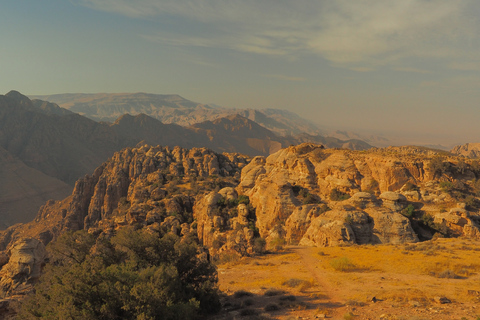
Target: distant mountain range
61 146
174 109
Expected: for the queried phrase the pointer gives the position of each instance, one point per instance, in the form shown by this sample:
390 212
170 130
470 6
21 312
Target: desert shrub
301 284
310 199
448 274
293 282
259 245
306 285
273 292
349 316
409 211
133 275
348 219
226 257
342 264
410 186
438 166
277 243
462 166
337 195
446 186
243 199
354 303
248 302
470 202
288 298
271 307
248 312
241 294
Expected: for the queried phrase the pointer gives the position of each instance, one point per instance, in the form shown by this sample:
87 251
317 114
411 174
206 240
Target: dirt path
310 262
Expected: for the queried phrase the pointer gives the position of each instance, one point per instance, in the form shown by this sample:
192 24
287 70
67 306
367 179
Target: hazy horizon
405 69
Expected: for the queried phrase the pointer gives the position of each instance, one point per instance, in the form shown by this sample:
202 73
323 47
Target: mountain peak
18 97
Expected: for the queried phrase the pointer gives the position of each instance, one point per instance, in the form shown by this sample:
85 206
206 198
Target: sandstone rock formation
303 194
469 150
137 186
22 265
288 188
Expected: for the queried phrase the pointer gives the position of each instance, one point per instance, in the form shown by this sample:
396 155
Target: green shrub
134 275
243 199
446 186
409 211
337 195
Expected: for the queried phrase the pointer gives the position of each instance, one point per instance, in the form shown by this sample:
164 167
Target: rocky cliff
314 196
469 150
65 146
303 194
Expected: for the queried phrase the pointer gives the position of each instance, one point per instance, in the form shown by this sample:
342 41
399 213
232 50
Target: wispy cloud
285 77
411 69
360 35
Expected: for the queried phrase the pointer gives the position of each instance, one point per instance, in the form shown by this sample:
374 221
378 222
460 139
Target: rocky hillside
316 196
469 150
65 146
175 109
23 190
232 204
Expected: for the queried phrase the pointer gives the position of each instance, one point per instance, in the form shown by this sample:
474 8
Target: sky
407 70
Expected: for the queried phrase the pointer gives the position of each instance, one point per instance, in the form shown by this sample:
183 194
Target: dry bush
306 285
288 298
248 312
354 303
241 294
343 264
227 257
273 292
301 284
271 307
447 274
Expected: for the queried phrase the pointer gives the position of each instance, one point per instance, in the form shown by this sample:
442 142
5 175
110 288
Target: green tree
133 275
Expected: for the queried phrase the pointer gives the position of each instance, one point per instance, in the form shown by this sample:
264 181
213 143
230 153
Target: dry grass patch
343 264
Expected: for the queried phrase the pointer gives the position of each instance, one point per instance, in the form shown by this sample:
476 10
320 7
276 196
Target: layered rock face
297 193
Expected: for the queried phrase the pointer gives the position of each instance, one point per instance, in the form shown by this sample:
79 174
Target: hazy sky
408 67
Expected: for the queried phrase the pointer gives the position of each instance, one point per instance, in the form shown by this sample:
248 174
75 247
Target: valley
344 220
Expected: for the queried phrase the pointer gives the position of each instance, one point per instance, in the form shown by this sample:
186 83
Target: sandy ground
301 283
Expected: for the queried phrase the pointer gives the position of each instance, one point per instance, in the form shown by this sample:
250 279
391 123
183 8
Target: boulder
27 258
393 200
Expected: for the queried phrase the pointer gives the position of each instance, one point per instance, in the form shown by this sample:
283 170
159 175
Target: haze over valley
259 160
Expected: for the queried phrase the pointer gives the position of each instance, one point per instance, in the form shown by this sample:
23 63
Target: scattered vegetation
273 292
271 307
241 294
337 195
133 275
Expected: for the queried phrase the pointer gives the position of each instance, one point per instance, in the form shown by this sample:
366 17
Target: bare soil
383 282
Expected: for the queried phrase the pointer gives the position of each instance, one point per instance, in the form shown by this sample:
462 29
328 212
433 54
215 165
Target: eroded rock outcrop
22 265
380 183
